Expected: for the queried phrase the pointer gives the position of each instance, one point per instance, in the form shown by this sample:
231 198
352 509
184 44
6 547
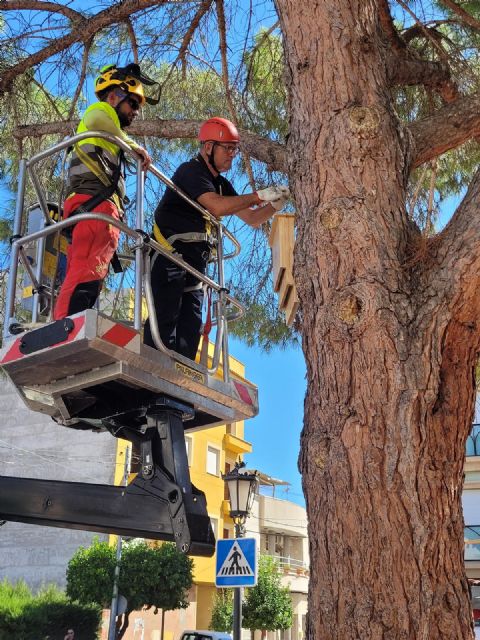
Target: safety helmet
218 130
128 79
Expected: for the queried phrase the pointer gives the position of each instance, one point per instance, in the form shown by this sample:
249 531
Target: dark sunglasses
134 104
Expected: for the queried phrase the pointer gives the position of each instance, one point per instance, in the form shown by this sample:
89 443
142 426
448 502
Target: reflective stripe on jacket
94 160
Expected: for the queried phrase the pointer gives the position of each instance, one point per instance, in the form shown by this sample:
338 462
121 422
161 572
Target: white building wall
33 446
283 533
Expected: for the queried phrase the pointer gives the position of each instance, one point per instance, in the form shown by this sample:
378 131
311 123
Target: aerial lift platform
91 371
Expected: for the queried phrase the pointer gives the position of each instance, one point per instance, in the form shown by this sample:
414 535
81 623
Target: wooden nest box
282 240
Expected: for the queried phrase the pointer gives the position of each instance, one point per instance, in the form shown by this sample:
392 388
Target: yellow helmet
128 79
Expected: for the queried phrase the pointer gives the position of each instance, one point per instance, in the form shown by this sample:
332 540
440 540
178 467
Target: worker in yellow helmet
96 183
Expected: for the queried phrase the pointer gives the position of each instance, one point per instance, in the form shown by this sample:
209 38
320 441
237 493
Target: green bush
48 614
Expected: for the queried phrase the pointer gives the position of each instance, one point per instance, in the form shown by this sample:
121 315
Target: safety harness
105 194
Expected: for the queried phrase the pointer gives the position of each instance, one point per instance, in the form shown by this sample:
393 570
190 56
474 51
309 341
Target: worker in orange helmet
96 184
179 226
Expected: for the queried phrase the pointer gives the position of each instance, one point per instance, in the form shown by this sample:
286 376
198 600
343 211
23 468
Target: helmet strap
117 108
211 158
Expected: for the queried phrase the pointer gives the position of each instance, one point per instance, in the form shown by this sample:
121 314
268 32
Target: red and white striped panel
13 352
119 334
244 392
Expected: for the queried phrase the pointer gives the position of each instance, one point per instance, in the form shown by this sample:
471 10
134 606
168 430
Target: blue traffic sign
236 563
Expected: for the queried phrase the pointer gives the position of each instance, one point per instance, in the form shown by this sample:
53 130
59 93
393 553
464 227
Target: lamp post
242 487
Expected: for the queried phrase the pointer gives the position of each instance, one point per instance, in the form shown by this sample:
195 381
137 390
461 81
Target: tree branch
388 27
39 5
202 10
222 32
457 256
425 30
263 149
84 30
133 39
464 15
446 129
83 73
407 69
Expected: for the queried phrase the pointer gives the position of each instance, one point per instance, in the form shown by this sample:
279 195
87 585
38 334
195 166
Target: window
226 534
189 447
213 460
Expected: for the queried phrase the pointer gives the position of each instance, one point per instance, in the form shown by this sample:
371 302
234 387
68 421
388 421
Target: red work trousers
89 254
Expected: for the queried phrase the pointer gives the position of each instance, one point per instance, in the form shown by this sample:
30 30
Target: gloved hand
274 193
279 204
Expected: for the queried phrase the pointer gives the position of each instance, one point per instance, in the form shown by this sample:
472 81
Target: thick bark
390 340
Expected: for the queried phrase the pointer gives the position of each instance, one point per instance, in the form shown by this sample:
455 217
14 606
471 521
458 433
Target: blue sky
275 432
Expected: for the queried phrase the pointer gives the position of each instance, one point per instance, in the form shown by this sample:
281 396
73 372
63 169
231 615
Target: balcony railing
473 441
472 543
291 565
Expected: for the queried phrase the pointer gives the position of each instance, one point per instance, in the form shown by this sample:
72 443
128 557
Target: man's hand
271 194
279 204
143 153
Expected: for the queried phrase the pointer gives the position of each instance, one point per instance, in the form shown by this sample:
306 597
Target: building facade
283 534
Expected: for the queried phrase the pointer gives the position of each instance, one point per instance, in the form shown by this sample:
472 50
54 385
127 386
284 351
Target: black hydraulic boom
161 503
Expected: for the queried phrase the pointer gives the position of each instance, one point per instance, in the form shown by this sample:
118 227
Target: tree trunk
390 355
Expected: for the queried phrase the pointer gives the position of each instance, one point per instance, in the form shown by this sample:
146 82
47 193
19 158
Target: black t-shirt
173 214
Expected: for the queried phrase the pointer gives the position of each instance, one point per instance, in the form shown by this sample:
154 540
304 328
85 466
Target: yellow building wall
205 595
231 447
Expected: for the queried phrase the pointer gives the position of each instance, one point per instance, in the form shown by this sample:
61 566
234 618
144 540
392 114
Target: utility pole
112 627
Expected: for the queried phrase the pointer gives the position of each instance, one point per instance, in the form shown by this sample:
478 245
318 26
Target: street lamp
242 487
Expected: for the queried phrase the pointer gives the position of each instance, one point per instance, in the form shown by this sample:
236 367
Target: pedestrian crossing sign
236 563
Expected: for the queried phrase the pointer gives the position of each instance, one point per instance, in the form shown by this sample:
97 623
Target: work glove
270 194
279 204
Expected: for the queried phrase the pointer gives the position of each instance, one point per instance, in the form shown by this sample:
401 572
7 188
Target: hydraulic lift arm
161 503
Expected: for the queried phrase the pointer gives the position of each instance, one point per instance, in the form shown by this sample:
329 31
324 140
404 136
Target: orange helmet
218 130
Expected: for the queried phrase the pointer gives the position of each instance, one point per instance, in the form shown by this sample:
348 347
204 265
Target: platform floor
102 368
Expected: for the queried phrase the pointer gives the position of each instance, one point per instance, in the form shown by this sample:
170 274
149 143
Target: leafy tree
150 576
268 605
47 614
222 611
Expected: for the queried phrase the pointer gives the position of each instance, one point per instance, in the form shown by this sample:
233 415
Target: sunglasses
133 104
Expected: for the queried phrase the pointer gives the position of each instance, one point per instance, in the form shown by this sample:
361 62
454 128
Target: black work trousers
179 312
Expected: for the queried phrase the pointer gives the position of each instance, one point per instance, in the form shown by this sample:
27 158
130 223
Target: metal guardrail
143 245
292 564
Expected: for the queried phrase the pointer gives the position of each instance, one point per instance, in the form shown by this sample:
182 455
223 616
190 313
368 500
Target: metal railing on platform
226 306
